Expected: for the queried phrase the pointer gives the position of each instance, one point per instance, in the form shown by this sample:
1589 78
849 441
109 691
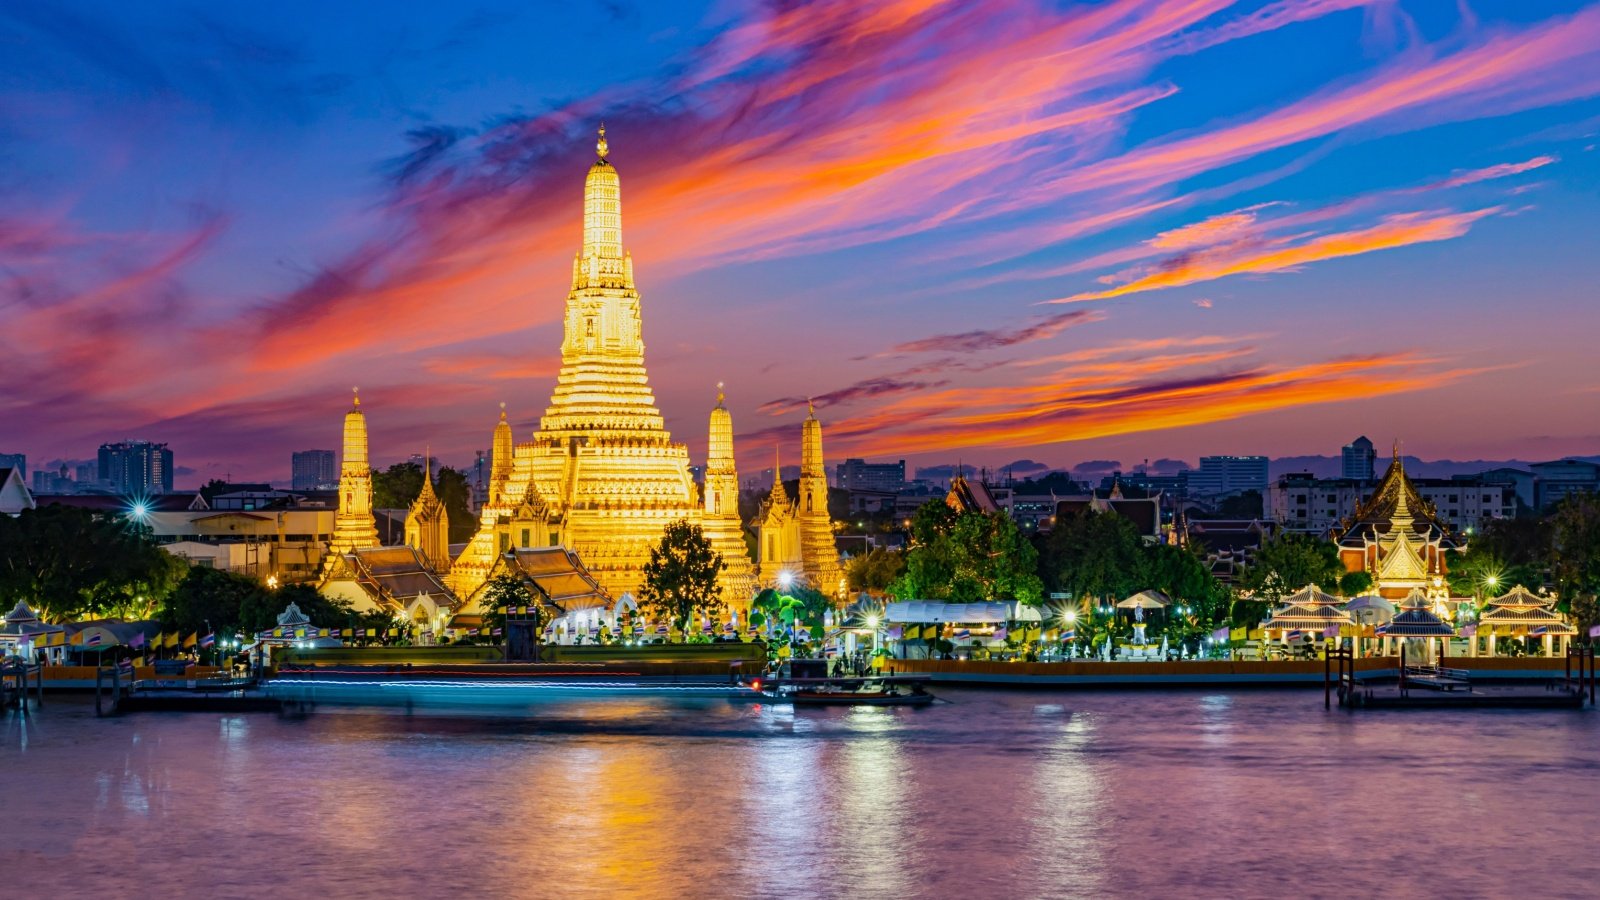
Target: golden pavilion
1398 538
795 536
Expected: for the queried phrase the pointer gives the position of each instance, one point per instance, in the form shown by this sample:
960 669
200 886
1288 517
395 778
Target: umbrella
1370 608
1146 600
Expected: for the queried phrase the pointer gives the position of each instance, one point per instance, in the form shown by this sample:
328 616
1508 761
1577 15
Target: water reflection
995 794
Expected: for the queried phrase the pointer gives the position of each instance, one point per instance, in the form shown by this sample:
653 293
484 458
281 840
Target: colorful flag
94 639
497 632
895 633
137 640
1001 632
299 632
963 634
662 629
209 640
1220 636
191 640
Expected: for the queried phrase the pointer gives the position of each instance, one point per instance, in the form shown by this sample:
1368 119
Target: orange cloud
1281 254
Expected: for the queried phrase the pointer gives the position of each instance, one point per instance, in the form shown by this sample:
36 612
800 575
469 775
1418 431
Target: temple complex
1397 538
796 535
602 476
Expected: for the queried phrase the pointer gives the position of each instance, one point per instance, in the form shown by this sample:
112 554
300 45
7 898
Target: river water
994 794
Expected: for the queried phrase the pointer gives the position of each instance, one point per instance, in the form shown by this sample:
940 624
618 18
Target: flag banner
94 639
895 633
1069 635
1594 631
77 639
1237 634
1220 635
191 640
138 662
1332 631
963 634
136 641
638 628
208 641
662 629
1001 633
299 632
497 632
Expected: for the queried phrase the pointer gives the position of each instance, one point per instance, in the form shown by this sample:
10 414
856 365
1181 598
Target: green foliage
1506 553
455 492
210 596
71 563
396 487
1288 563
1244 505
968 557
875 570
1354 584
507 590
680 580
1094 556
1575 544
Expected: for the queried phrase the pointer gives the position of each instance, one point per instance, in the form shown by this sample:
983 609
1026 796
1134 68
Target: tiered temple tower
602 475
500 460
720 514
428 524
353 527
818 552
1398 538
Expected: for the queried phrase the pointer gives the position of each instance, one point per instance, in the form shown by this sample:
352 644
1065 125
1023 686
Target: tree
1092 555
456 494
1354 584
212 599
968 557
875 570
260 611
680 580
1575 541
71 563
396 487
502 591
1288 563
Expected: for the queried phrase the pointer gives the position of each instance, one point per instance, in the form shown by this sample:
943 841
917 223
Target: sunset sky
981 231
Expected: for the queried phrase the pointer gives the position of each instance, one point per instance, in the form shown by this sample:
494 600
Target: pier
1445 687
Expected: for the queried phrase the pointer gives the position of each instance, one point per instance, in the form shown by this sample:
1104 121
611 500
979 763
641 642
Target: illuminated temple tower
1398 538
602 475
796 535
720 516
354 527
428 524
818 552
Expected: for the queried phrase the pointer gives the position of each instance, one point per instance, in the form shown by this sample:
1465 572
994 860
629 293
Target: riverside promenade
1200 673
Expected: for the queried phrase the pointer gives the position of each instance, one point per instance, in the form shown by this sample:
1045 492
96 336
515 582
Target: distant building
1227 476
1301 502
1559 479
136 467
18 461
313 470
1357 459
860 475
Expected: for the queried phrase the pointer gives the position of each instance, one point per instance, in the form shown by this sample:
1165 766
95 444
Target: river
1183 793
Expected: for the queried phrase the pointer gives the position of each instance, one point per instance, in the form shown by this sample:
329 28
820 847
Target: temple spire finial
600 146
357 393
502 410
720 395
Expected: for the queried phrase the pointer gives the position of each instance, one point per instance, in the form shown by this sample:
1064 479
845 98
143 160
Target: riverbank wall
1198 673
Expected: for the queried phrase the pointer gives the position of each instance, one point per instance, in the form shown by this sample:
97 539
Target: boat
887 696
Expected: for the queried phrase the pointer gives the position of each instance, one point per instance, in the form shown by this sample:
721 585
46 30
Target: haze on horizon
1046 230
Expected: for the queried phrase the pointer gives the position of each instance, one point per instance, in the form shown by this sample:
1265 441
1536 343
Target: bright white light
872 621
786 579
140 510
1069 616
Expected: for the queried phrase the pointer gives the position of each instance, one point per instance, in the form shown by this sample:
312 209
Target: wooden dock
1439 687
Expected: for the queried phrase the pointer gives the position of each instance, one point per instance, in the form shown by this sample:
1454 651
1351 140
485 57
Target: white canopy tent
992 613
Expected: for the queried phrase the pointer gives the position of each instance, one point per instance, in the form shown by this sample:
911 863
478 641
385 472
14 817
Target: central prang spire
602 206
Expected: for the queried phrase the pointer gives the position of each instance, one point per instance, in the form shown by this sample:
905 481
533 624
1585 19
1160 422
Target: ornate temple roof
1394 503
1296 615
970 496
558 576
1416 619
395 575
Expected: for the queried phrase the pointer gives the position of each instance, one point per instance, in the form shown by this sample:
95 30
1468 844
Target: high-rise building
1357 459
313 470
1224 476
860 475
18 461
135 467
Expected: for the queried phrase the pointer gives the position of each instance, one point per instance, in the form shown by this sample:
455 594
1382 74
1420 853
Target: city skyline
1138 251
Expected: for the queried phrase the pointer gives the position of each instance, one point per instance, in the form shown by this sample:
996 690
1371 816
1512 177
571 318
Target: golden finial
811 408
719 393
357 392
600 145
502 410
